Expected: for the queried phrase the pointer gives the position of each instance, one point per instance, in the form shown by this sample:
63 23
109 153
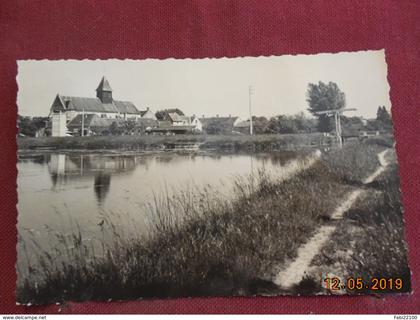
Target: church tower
104 91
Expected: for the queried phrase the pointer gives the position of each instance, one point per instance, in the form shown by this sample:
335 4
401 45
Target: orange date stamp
359 284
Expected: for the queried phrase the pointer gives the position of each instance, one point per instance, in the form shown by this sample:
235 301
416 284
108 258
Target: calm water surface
58 191
83 185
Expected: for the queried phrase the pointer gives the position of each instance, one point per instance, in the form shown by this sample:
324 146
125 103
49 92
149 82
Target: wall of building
198 125
129 116
59 123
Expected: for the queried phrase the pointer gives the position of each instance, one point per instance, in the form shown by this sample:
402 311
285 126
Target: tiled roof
87 104
126 107
104 85
175 117
142 113
96 105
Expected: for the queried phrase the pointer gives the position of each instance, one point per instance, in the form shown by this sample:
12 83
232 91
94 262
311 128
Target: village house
66 108
175 123
195 121
147 114
92 124
177 120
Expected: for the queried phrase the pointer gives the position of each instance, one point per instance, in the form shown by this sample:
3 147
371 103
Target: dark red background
197 29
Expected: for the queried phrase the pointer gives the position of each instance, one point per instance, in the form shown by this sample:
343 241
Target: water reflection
101 186
65 169
89 165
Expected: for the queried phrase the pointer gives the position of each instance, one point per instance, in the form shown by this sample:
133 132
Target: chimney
217 115
202 116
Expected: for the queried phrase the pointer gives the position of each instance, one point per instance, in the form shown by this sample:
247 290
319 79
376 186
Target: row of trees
300 123
322 96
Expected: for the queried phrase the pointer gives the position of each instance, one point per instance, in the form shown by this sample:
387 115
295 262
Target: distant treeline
282 124
300 123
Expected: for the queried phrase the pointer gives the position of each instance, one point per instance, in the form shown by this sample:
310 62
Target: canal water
59 192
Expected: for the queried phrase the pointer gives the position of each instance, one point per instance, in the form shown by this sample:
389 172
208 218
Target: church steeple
104 91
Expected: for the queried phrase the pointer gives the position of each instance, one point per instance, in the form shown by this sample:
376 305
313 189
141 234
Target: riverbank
218 248
269 142
368 242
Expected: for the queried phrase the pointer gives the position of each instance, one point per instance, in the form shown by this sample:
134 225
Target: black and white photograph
247 176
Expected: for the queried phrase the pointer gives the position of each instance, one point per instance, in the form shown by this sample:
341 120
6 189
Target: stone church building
65 108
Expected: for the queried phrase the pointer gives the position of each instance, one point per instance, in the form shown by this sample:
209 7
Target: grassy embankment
369 241
217 248
151 142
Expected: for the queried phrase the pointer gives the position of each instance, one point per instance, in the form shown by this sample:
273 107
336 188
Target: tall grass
380 244
369 241
200 244
355 162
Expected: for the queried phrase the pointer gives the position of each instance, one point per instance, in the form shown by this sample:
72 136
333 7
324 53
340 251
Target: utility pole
83 122
251 92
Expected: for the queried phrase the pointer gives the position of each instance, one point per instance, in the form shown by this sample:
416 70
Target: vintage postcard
210 177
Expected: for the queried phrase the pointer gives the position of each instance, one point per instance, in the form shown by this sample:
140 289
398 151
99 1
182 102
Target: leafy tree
28 126
372 125
219 127
259 124
115 129
298 123
305 124
143 123
383 119
322 97
129 126
282 124
351 125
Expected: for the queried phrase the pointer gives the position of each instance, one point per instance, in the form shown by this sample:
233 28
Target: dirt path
381 168
297 269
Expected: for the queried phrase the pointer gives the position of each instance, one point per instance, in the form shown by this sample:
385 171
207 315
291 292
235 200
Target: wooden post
338 129
340 138
250 111
337 121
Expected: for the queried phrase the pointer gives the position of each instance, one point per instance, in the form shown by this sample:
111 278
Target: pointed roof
104 85
64 103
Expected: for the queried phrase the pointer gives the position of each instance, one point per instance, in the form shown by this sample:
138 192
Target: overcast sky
210 86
